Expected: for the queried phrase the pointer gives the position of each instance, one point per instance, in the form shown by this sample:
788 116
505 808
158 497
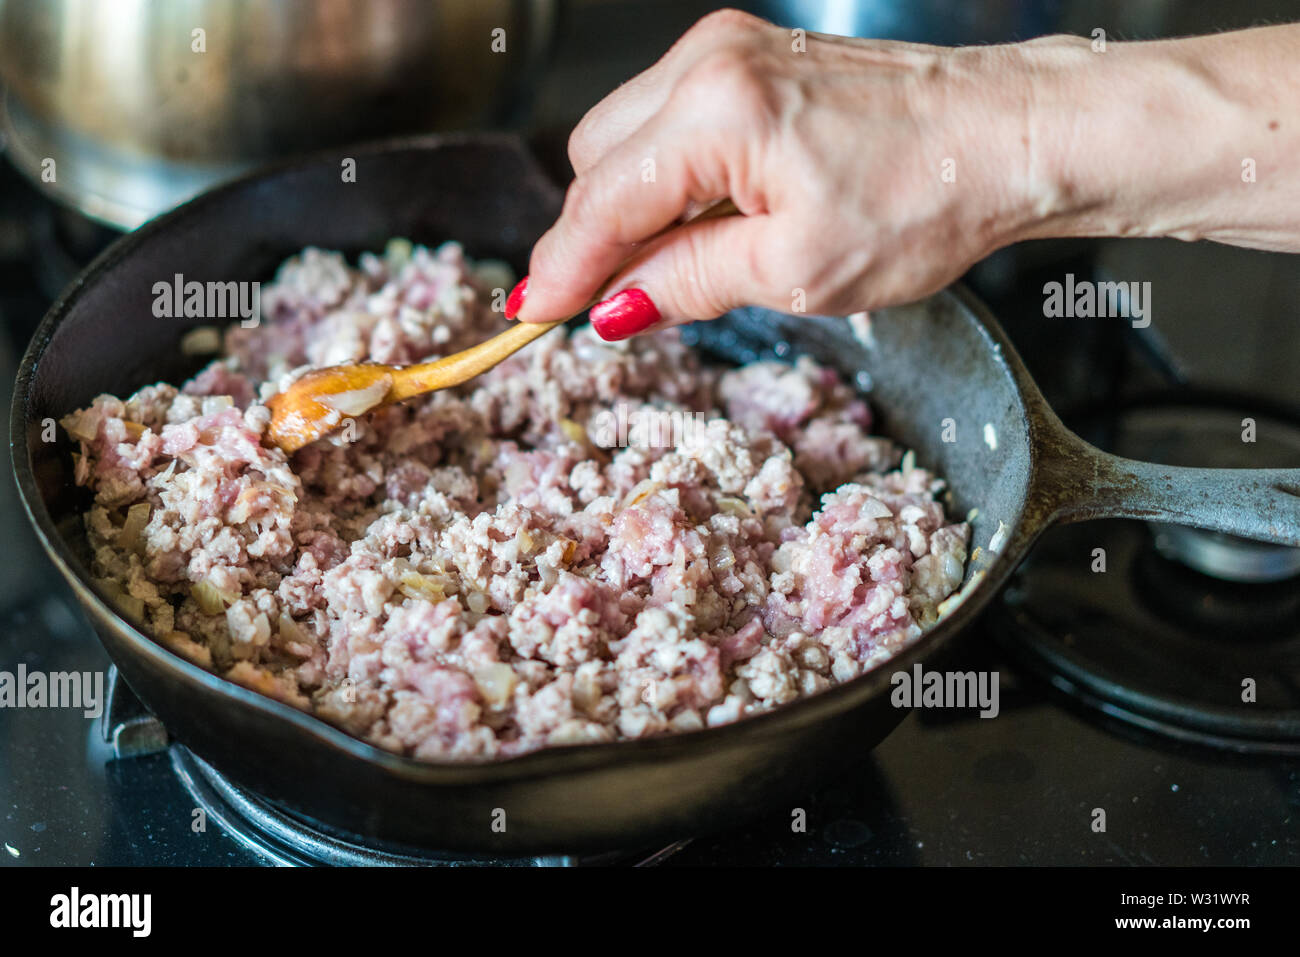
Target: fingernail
516 298
623 314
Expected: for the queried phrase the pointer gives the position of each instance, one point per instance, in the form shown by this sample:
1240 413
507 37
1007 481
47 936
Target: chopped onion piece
874 508
945 607
132 609
137 516
82 425
211 599
686 720
573 431
496 683
202 341
397 253
289 629
730 505
494 274
586 691
999 537
414 585
642 491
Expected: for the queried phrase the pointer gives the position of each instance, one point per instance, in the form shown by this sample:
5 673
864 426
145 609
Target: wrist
1024 98
1073 173
1141 139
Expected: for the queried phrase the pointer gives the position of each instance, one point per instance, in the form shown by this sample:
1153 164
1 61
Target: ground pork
592 542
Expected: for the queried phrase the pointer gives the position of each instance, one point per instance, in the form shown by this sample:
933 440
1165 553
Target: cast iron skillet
941 359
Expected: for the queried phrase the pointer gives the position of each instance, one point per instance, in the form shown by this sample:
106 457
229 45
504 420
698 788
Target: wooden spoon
318 402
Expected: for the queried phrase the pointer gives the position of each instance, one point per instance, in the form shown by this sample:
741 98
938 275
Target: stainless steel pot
139 111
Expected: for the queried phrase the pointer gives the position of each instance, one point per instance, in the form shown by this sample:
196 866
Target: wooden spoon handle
462 366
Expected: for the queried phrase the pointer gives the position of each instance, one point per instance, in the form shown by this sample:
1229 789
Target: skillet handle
1076 481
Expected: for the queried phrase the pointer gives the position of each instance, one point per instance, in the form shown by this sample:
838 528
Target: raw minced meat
481 573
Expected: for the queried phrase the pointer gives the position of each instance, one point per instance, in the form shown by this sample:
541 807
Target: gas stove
1108 697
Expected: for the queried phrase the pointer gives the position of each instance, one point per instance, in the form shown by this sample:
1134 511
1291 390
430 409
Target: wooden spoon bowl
319 402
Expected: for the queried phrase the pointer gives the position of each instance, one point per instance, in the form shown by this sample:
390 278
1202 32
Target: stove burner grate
286 840
281 838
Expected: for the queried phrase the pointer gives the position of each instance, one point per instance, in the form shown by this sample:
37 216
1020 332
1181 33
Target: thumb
697 271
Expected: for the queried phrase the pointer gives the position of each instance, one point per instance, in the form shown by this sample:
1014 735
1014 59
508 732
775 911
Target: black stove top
1017 789
948 787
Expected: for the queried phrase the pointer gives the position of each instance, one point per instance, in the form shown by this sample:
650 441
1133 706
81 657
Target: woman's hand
872 172
865 171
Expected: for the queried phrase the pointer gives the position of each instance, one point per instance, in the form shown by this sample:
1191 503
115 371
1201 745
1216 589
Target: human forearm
1191 139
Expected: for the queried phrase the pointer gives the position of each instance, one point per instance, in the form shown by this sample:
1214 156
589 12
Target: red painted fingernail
623 314
515 300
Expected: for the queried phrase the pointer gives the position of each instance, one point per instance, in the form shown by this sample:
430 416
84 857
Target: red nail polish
515 300
623 314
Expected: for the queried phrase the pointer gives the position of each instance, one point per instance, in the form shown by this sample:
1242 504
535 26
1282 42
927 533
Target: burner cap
1226 556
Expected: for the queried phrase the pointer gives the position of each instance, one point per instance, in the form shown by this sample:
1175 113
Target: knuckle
591 130
729 81
727 22
589 218
726 66
579 204
577 142
575 200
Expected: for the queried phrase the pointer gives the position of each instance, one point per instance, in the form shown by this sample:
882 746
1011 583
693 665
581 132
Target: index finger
636 190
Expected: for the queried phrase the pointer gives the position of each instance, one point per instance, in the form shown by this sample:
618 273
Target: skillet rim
548 760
